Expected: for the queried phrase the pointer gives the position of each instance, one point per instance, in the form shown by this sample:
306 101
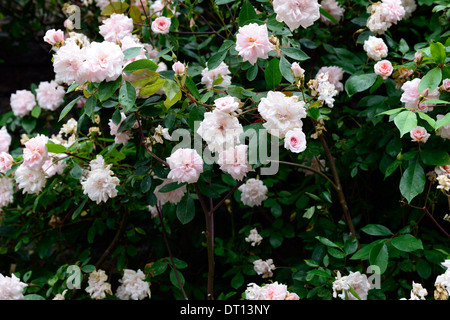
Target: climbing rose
419 134
116 27
383 68
295 140
375 48
6 162
173 196
413 99
234 161
50 95
333 8
254 192
296 13
6 192
35 152
11 288
208 76
22 102
252 42
30 180
133 286
54 37
227 104
186 165
161 25
5 139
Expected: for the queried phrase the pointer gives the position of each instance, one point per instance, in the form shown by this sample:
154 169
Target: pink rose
6 162
383 68
227 104
35 152
292 296
446 84
5 140
22 102
54 37
274 291
178 68
161 25
419 134
174 196
297 71
186 165
295 140
252 42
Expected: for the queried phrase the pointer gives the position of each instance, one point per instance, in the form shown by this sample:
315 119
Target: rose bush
231 149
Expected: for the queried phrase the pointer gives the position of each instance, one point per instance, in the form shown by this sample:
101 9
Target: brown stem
429 215
339 190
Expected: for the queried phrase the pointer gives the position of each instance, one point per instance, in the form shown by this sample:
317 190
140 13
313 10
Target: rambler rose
116 27
54 37
186 165
414 100
297 71
333 8
6 162
50 95
178 68
5 139
296 13
227 104
375 48
446 85
161 25
252 42
35 152
383 68
22 102
234 161
419 134
295 140
173 196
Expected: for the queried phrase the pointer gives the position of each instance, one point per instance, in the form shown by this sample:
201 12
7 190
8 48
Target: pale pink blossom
6 162
227 104
22 102
208 76
68 24
50 95
35 152
54 37
29 180
116 27
440 170
119 137
295 140
375 48
161 25
410 6
296 13
54 165
102 3
104 62
264 268
234 161
6 191
383 68
393 10
5 139
282 113
335 76
173 196
292 296
297 71
419 134
446 84
252 42
254 192
186 165
333 8
414 100
357 281
178 68
67 62
274 291
220 130
444 131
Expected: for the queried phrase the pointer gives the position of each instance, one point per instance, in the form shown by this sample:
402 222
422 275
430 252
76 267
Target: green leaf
186 209
320 273
216 59
171 88
88 268
33 297
107 89
152 88
272 74
379 256
28 123
403 46
435 157
252 72
127 123
328 15
90 105
131 52
405 121
295 53
127 95
285 69
431 80
80 208
412 181
442 121
246 14
174 280
68 107
392 111
139 65
350 245
376 230
359 82
407 243
190 84
56 148
238 280
427 118
171 186
35 113
146 183
327 242
353 292
437 50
